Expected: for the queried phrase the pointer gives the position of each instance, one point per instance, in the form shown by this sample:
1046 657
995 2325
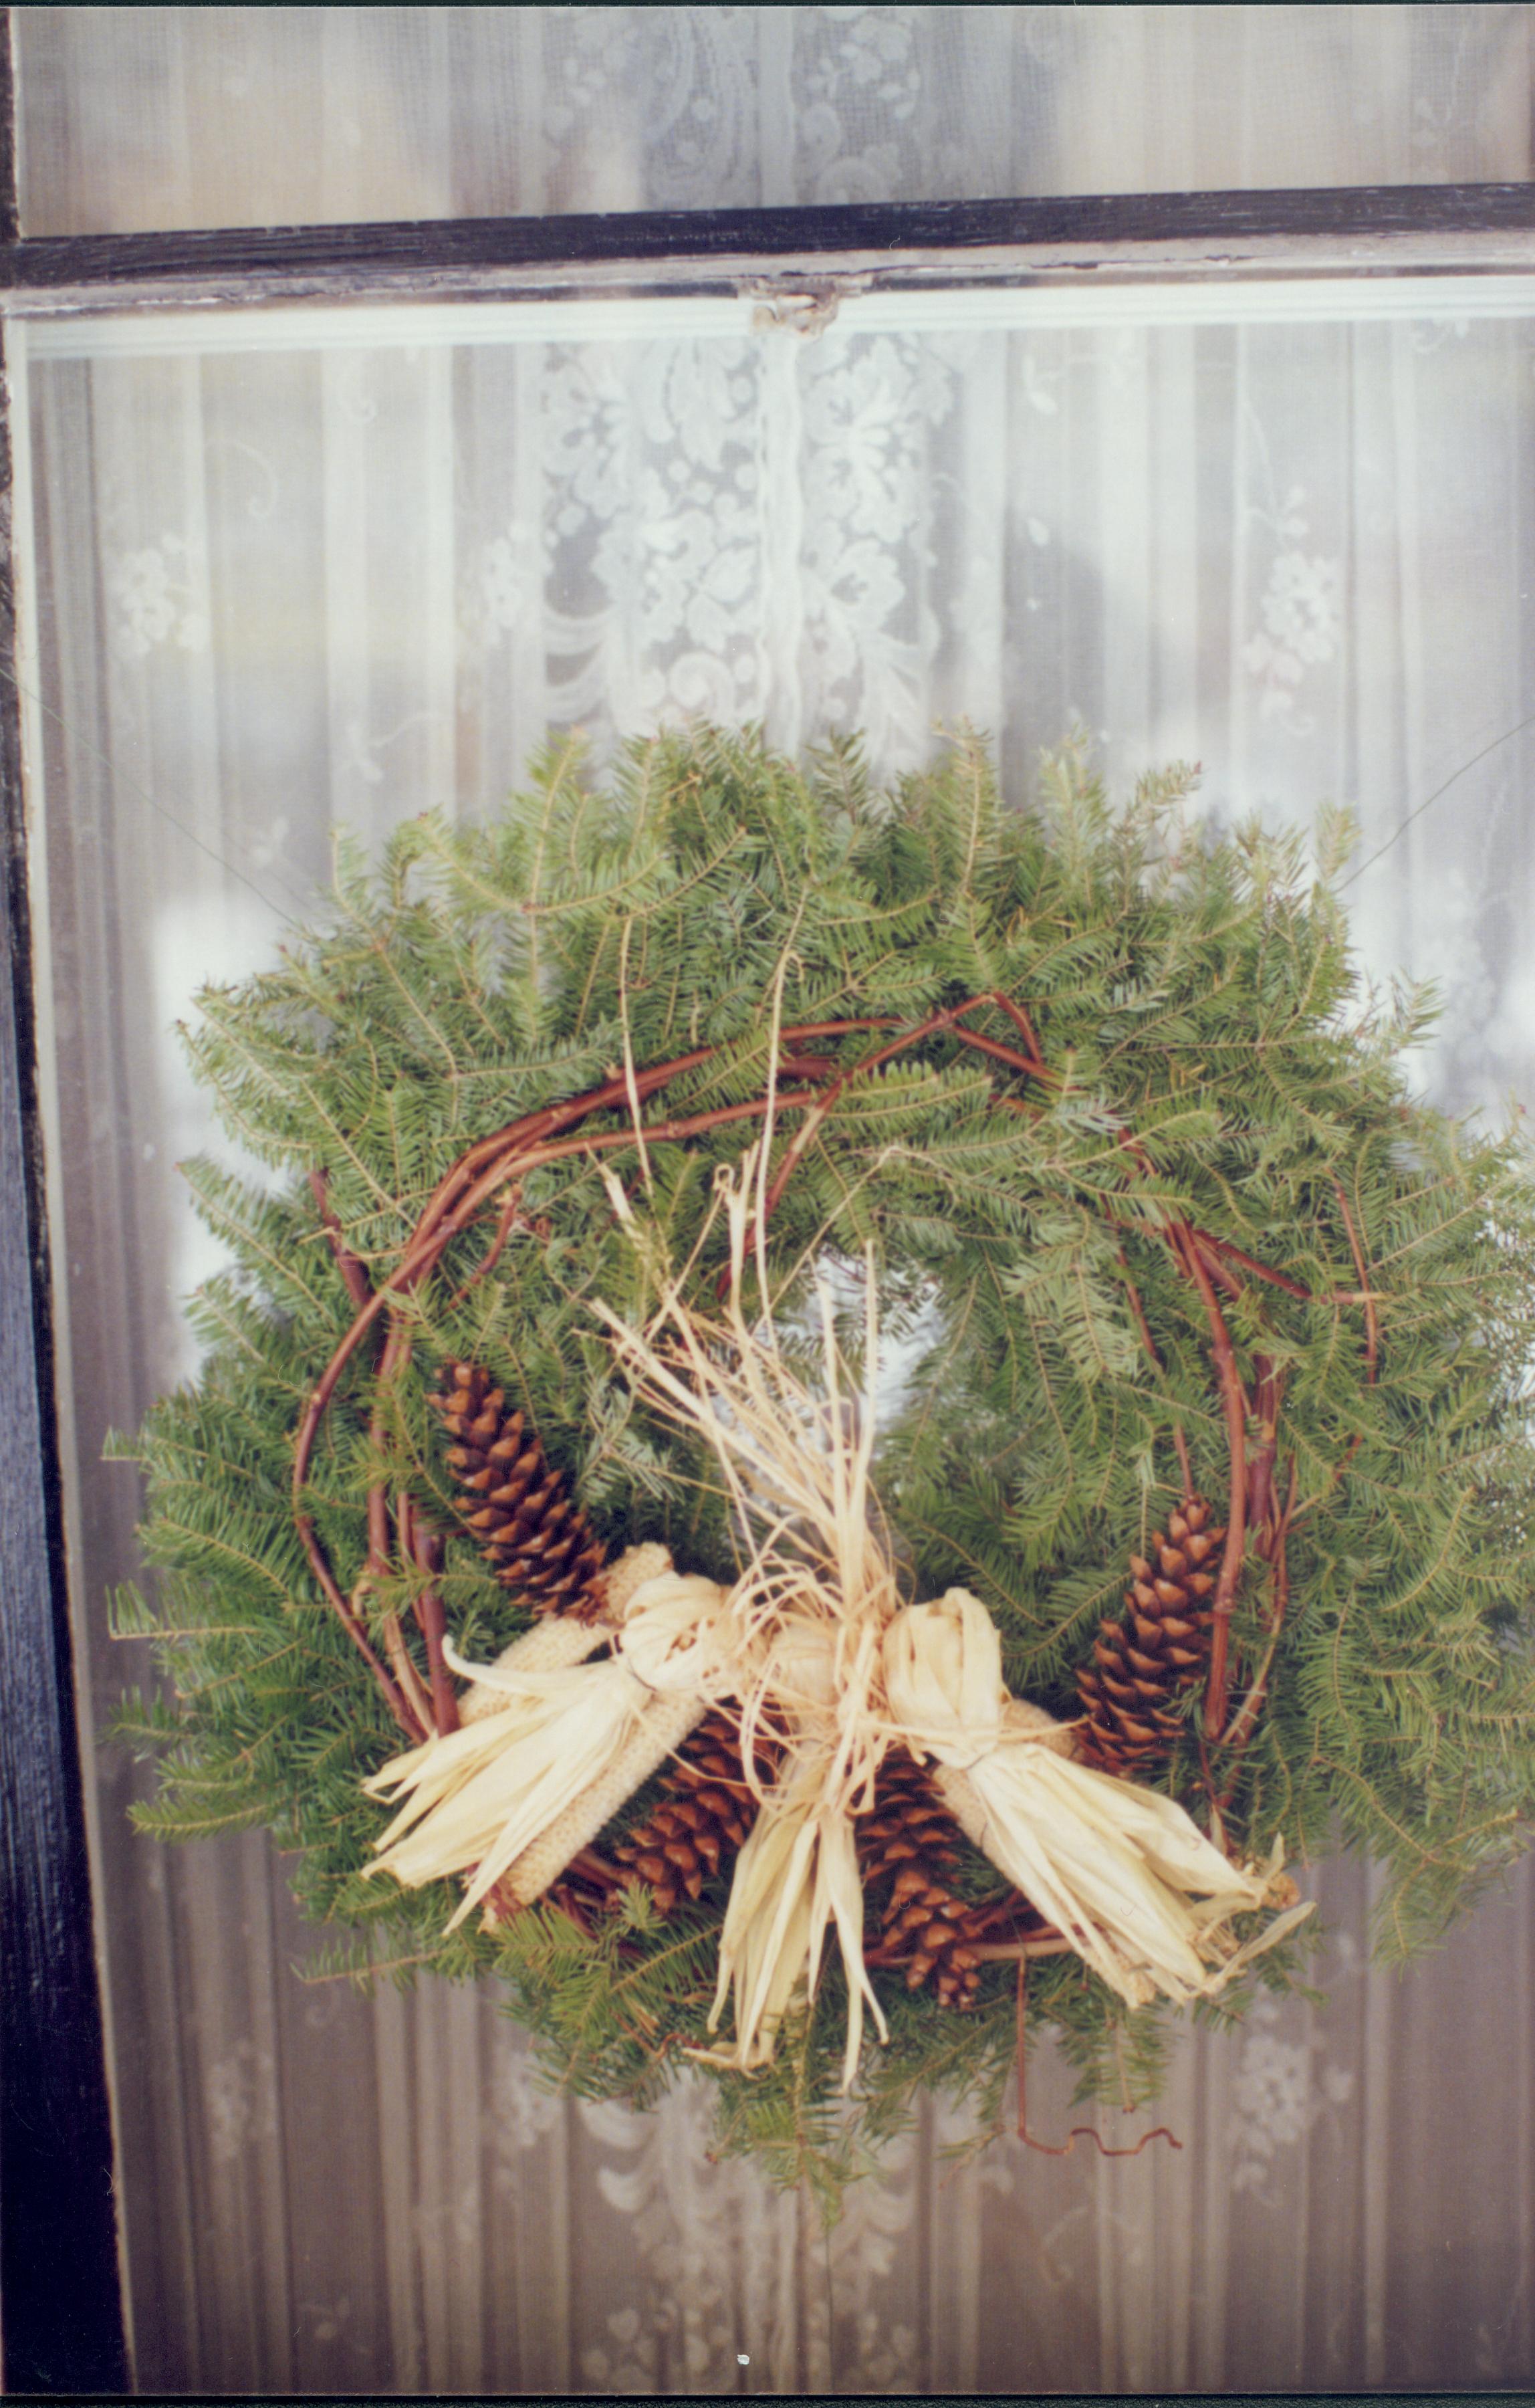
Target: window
321 527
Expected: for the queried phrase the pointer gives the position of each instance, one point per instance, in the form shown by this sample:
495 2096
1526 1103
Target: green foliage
1195 995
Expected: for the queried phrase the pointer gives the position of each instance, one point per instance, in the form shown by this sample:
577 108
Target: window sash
1359 232
1357 251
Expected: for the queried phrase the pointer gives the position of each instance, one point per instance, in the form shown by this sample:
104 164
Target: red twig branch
1179 1440
807 1028
1078 2131
1021 1021
1261 1471
1235 1403
1282 1279
946 1019
1139 1309
803 1137
1181 1444
417 1697
998 1051
392 1364
504 1228
353 1271
1258 1270
341 1605
361 1292
1220 1273
1244 1720
423 1548
1371 1330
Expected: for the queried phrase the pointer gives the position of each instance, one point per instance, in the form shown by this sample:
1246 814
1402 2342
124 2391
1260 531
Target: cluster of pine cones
909 1848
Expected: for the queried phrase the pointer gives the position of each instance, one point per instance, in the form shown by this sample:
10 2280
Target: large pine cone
1142 1665
517 1505
905 1848
698 1828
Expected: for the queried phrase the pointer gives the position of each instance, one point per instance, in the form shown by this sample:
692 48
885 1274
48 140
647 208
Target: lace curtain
329 569
198 117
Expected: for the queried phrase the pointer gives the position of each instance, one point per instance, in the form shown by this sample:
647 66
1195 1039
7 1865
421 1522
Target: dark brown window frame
61 2318
1358 231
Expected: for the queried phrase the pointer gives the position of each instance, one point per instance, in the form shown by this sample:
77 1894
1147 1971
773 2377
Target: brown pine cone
698 1828
908 1842
587 1886
1141 1665
516 1504
582 1890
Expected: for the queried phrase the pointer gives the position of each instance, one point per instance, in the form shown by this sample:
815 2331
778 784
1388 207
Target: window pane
295 572
140 118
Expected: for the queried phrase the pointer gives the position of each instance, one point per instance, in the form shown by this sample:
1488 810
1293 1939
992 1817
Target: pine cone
698 1828
532 1529
584 1890
581 1892
910 1841
1140 1665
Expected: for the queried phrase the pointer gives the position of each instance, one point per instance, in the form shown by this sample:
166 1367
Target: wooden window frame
61 2316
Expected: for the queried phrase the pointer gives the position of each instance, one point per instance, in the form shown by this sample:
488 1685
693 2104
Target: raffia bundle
813 1637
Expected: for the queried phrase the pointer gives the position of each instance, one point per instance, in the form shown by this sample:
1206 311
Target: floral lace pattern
1302 613
739 2286
158 595
671 481
1281 2088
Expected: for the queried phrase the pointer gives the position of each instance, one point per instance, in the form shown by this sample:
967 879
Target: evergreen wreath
1219 1403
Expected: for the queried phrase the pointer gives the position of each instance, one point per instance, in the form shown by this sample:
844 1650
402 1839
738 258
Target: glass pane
296 572
138 118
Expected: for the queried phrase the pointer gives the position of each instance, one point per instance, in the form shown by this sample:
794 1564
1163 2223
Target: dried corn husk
1120 1871
482 1799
